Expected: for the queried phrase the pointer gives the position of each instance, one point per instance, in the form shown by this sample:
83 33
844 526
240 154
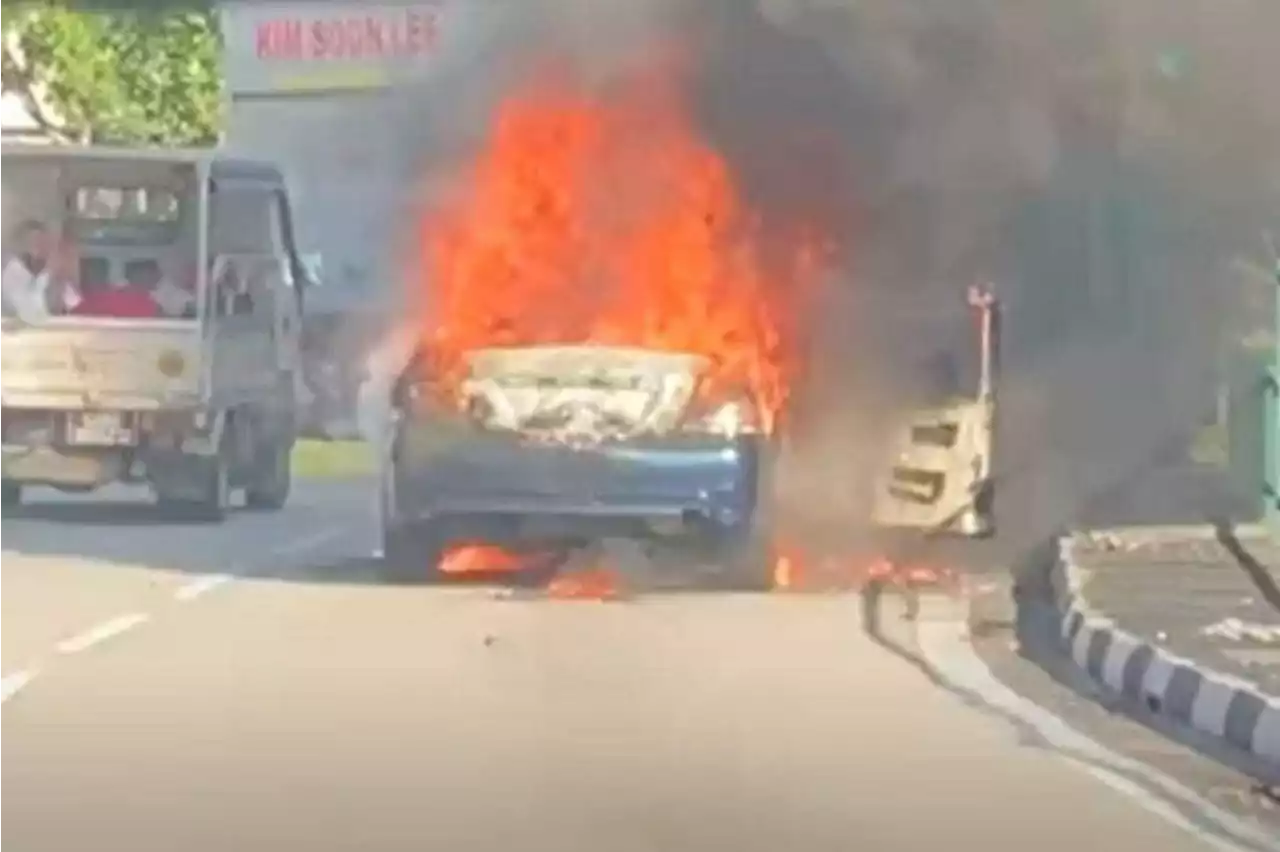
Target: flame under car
572 444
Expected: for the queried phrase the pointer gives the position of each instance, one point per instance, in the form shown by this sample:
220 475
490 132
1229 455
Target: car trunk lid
581 393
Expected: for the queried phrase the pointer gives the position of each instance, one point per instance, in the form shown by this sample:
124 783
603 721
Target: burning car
602 345
571 444
604 340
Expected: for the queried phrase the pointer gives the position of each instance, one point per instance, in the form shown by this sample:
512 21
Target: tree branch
18 77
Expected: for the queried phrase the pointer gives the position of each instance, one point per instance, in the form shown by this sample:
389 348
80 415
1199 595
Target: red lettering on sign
403 34
279 40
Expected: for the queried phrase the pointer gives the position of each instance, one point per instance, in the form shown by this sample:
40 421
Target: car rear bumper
689 480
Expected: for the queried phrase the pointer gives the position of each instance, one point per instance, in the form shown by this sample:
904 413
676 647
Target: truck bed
88 363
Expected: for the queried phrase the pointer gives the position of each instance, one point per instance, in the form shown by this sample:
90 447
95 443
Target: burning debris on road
613 573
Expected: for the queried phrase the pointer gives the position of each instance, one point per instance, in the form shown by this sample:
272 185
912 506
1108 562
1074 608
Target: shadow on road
124 527
1158 487
1039 642
1260 575
113 513
364 570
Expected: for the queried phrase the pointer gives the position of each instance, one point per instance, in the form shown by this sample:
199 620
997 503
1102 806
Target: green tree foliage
119 77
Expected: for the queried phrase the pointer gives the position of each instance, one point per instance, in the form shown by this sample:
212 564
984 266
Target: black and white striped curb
1212 703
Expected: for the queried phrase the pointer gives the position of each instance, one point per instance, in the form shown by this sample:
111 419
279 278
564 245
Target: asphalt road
251 687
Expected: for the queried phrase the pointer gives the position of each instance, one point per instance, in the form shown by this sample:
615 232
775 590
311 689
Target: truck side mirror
310 266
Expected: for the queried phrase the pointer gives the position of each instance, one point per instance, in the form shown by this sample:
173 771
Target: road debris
1237 630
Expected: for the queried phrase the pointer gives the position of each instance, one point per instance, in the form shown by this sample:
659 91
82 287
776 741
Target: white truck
347 96
196 399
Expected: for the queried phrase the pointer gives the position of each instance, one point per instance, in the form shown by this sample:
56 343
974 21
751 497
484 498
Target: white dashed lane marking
100 633
196 588
15 681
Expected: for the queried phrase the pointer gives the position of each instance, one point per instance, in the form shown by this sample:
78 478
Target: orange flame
585 221
480 559
797 571
592 584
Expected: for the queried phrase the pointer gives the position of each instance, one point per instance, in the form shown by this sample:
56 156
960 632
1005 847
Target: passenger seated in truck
37 280
174 300
127 298
95 274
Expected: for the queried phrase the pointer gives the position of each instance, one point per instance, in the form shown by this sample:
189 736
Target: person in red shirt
127 299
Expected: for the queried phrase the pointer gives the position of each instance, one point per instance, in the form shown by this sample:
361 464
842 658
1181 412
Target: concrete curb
1210 702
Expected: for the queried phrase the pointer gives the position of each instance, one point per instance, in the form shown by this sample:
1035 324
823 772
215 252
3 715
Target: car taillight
418 390
730 418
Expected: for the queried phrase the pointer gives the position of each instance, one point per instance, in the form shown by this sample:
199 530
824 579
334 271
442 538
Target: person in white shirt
174 301
34 282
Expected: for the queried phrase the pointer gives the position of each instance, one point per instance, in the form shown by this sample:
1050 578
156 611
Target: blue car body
449 473
702 481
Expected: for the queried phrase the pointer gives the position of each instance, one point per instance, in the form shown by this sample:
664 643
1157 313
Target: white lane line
13 683
947 647
196 588
101 633
310 542
203 585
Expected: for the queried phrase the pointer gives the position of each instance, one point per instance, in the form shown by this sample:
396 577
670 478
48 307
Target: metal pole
1271 410
984 301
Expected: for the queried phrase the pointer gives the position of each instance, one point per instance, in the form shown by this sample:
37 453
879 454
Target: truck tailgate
101 363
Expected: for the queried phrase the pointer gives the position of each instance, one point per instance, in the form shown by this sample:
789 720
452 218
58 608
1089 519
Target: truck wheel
215 498
215 475
271 491
411 554
11 494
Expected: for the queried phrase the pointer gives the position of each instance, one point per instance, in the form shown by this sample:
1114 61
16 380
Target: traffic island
1184 620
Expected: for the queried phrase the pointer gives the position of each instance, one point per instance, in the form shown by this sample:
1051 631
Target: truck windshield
128 215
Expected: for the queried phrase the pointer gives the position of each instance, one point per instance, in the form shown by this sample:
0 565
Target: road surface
249 686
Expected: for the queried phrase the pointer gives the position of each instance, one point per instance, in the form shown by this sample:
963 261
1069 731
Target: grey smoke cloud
1037 144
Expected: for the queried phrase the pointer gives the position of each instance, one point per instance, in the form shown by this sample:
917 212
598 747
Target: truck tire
271 491
213 505
216 499
214 477
11 495
411 554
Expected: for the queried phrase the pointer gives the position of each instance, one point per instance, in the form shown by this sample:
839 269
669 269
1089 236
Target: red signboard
391 34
